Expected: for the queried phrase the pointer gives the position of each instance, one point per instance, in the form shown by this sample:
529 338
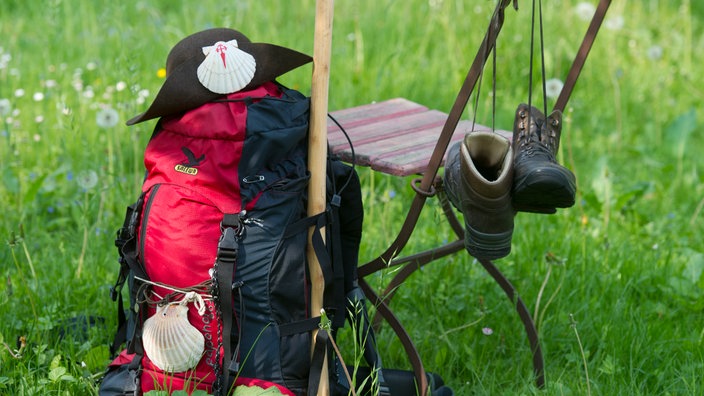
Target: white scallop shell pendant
226 68
171 341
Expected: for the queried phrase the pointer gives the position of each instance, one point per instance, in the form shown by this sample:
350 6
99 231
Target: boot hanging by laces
493 91
542 57
540 184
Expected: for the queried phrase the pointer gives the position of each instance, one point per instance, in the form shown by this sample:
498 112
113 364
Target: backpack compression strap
228 246
126 243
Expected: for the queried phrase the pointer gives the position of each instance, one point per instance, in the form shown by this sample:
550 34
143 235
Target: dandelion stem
696 213
29 259
29 291
573 324
464 326
550 300
541 291
81 258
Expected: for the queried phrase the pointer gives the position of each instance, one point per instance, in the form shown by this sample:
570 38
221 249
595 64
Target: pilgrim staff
317 154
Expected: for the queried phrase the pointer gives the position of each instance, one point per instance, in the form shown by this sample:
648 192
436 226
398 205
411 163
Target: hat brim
182 91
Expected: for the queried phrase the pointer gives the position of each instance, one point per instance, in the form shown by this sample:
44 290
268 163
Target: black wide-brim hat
182 89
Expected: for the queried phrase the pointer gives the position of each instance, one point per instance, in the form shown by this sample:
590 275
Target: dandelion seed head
89 93
614 23
435 4
5 106
5 60
87 179
585 11
91 66
38 119
36 137
38 96
107 117
19 93
655 52
553 87
120 86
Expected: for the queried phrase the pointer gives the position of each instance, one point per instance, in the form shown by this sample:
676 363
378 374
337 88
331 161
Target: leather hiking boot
478 178
551 130
540 184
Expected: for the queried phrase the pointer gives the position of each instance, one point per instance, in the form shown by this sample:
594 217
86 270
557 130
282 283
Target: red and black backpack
216 242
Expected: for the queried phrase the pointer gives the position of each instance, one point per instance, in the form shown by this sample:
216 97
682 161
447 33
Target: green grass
626 262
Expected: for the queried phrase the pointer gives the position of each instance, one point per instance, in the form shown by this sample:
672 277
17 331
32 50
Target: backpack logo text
188 167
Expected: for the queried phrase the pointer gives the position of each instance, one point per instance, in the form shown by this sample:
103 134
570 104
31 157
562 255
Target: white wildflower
77 85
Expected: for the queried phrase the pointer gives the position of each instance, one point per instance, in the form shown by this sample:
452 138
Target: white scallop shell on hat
170 341
226 68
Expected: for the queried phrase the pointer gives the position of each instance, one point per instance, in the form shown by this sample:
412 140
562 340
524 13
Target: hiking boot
478 177
540 184
551 130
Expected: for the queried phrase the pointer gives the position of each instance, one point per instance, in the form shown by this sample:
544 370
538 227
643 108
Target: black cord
542 56
354 158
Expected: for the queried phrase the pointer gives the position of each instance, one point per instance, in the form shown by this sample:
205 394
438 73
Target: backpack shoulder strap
126 243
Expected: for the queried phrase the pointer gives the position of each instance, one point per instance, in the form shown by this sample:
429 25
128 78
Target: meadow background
616 282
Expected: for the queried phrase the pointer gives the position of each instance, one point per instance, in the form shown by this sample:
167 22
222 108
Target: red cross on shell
226 68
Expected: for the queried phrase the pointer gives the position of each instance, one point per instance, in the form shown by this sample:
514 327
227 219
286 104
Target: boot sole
487 246
545 189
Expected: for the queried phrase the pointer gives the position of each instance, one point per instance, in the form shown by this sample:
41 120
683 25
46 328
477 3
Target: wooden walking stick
317 156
